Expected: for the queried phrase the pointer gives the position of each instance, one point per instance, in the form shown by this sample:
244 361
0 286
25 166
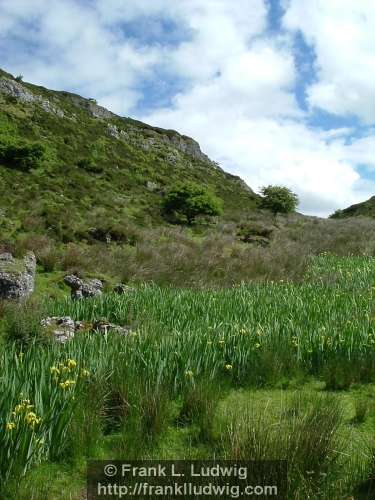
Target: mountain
366 209
68 165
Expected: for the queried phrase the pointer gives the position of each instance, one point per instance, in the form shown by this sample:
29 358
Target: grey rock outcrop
61 328
98 111
17 277
116 132
102 326
152 186
21 93
81 289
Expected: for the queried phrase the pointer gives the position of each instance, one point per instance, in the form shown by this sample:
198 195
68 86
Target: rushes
306 431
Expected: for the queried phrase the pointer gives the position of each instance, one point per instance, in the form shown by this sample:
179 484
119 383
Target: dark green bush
186 201
89 165
23 156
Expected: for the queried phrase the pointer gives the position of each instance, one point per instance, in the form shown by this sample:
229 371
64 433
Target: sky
276 91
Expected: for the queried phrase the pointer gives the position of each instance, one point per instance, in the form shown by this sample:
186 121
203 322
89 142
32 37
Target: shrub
89 165
23 156
186 201
279 199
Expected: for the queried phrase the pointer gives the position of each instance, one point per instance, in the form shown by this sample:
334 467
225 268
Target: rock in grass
61 328
103 326
17 276
81 289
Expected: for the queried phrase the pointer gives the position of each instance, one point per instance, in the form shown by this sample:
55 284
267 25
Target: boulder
17 276
103 326
62 328
81 289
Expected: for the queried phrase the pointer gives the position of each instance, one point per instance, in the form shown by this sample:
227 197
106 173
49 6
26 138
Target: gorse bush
186 201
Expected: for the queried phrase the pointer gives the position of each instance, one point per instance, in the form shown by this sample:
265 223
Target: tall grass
58 401
306 431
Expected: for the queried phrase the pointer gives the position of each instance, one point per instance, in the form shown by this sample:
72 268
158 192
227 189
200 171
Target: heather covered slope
96 169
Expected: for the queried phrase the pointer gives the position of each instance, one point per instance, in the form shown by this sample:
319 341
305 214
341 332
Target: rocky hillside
366 209
71 169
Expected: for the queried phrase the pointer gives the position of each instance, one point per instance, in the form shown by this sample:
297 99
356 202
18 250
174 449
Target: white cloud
75 50
342 35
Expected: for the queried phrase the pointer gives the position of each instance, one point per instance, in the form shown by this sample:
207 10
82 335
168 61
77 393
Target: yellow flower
18 409
228 367
32 419
85 373
71 364
189 373
54 370
10 426
67 384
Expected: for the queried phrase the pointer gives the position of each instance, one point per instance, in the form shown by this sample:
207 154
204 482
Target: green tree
279 199
185 201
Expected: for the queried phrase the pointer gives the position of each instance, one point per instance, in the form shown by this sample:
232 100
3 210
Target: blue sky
276 91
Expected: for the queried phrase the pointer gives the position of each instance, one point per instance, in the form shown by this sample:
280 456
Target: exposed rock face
17 277
116 132
188 146
83 289
16 89
98 111
155 139
20 92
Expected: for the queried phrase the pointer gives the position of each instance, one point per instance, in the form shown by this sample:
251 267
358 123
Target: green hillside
74 166
366 209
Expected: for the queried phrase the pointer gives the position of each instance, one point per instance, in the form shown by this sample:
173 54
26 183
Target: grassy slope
366 209
65 200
